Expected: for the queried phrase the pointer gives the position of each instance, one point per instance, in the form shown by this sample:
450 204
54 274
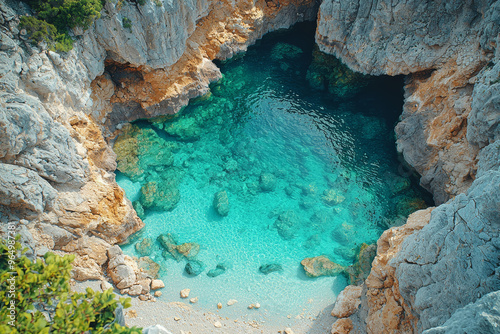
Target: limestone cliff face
427 270
56 167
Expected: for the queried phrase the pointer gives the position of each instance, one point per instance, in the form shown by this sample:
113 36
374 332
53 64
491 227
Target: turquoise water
309 169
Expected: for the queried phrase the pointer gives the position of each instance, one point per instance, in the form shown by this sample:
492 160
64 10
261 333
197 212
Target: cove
289 156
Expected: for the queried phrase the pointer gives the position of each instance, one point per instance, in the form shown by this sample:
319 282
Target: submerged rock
219 270
360 270
285 51
312 242
326 72
194 267
270 268
145 247
187 250
267 182
168 241
321 266
332 197
139 209
148 267
221 203
159 195
287 224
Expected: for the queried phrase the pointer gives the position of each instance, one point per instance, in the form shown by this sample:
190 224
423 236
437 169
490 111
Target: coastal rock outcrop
448 133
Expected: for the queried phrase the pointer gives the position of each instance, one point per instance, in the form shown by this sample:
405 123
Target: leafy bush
29 288
67 13
127 23
55 16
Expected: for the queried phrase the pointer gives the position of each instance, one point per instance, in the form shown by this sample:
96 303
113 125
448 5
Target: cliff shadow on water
285 171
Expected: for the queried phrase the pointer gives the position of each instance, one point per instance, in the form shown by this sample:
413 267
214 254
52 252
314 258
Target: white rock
347 301
135 290
185 293
157 284
217 324
231 302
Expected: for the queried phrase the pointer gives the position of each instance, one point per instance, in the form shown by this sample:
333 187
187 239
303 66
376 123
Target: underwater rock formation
221 203
270 268
194 267
321 266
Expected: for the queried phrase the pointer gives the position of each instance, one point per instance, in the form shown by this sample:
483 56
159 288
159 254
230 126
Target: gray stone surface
483 126
401 37
158 34
29 137
481 317
454 259
60 236
22 189
489 159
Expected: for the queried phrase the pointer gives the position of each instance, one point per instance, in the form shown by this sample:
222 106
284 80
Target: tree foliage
42 300
55 17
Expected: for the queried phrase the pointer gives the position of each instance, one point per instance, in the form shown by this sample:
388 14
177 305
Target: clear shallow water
332 162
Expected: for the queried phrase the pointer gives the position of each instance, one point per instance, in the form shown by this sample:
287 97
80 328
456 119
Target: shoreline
181 317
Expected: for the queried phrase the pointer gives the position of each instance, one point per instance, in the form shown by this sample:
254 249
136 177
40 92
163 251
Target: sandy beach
182 317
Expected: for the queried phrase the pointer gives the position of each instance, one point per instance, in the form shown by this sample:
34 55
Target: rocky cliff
428 270
56 167
58 111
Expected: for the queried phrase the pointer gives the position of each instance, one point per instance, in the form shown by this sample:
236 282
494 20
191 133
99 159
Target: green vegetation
127 23
54 17
35 297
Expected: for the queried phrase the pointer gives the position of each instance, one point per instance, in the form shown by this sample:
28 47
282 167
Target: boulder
135 290
287 224
144 247
347 301
270 268
188 250
159 195
321 266
219 270
267 182
157 284
221 203
148 267
123 276
332 197
194 267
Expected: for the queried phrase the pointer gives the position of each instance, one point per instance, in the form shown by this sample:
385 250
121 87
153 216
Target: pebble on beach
185 293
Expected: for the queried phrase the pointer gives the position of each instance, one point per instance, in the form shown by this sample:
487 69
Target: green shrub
28 287
127 23
41 31
55 16
67 13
